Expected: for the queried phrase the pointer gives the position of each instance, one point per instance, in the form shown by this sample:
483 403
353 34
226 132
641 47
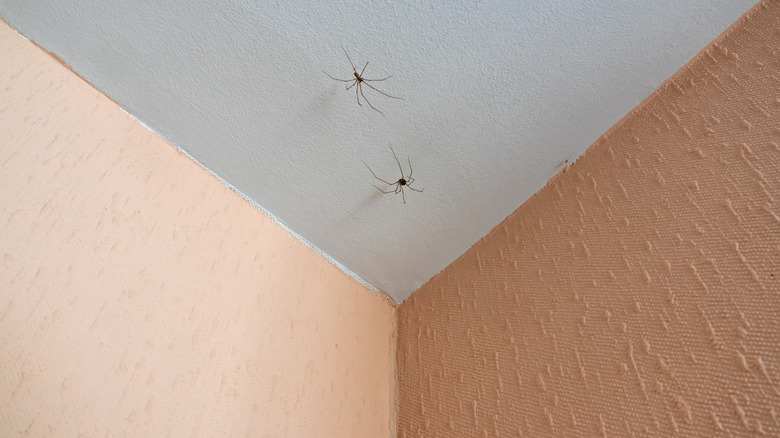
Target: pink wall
141 297
639 292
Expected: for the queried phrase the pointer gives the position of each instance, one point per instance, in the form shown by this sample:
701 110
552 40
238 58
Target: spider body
359 81
404 181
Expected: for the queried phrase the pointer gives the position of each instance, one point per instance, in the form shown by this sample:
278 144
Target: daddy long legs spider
403 181
358 81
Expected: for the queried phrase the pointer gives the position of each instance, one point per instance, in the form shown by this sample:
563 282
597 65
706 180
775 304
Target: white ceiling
497 95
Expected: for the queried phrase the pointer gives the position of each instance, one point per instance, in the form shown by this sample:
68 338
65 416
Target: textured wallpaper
638 294
141 297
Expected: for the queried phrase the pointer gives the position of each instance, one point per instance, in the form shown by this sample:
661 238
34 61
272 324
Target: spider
358 82
403 181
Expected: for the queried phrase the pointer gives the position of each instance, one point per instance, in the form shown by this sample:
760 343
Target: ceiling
497 96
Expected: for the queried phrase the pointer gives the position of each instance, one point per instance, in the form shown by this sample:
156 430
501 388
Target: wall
637 294
141 297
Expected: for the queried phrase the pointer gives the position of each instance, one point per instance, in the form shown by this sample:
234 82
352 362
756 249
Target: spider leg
396 160
361 71
377 80
350 59
366 99
337 79
409 184
353 84
380 91
372 173
409 160
386 193
402 193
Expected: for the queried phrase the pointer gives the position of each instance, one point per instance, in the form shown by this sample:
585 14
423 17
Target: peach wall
638 294
141 297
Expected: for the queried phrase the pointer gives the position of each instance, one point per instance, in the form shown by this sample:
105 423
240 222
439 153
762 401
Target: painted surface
497 95
638 293
141 297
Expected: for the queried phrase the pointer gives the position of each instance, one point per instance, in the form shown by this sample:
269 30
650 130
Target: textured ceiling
496 97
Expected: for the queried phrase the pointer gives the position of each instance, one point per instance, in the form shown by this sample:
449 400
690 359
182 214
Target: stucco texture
139 296
638 293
